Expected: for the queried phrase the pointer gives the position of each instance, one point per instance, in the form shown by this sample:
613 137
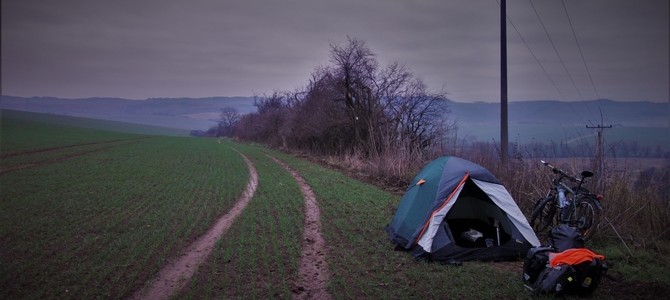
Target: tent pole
496 224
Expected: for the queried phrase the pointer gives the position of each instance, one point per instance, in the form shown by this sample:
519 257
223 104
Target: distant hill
181 113
89 123
639 114
647 123
642 122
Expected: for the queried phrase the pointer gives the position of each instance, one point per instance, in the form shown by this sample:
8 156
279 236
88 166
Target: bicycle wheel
543 217
585 217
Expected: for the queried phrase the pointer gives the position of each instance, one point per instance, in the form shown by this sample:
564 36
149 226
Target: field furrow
50 149
54 156
28 133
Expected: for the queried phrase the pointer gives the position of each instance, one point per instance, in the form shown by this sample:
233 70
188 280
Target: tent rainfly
455 210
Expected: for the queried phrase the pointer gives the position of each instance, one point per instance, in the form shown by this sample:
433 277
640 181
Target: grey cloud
152 48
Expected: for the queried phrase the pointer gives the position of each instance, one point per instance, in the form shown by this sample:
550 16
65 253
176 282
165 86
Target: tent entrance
474 210
459 229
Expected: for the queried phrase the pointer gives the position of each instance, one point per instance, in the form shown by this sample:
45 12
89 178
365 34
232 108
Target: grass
355 215
259 256
23 132
92 127
642 266
100 224
362 259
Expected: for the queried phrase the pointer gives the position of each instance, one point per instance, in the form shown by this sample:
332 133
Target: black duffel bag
578 278
564 237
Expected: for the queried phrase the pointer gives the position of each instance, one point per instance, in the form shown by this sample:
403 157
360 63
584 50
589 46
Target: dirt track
174 276
313 270
314 274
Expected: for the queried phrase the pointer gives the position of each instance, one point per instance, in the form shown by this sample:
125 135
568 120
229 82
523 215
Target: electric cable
536 59
556 50
581 53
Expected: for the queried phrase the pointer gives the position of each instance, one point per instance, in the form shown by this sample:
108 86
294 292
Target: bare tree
419 116
354 70
321 124
273 114
353 105
228 118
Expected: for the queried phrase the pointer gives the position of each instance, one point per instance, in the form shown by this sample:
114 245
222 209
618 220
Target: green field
89 213
100 223
30 129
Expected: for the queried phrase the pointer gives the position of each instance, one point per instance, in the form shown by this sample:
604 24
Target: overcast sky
198 48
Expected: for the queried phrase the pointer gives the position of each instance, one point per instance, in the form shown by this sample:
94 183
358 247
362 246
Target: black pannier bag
590 274
535 262
565 237
581 279
574 274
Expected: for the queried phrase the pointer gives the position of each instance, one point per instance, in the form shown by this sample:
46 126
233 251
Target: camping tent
455 210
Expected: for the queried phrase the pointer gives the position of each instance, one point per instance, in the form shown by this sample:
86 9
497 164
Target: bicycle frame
564 197
564 204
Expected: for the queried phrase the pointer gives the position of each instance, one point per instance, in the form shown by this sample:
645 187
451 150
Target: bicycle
575 206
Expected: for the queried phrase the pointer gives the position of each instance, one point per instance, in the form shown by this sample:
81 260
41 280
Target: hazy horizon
263 95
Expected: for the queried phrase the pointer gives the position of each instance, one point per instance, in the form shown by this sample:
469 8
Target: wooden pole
599 160
504 138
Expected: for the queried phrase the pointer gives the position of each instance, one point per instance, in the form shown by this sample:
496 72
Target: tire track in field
314 273
174 275
45 162
51 161
49 149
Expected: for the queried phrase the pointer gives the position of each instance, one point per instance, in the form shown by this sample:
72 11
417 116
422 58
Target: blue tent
455 209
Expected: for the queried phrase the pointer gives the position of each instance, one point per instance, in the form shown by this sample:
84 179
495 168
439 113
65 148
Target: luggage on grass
574 271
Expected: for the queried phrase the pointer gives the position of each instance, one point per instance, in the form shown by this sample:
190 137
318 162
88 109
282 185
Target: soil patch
314 274
174 276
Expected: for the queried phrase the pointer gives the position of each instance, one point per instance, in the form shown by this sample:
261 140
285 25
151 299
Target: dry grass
636 203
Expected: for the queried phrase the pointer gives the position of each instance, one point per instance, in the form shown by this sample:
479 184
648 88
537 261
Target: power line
588 108
544 70
581 53
580 50
555 50
537 60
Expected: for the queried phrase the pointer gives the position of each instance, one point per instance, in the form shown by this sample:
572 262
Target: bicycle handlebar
560 172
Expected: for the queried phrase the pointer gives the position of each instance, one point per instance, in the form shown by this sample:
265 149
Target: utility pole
599 164
504 140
